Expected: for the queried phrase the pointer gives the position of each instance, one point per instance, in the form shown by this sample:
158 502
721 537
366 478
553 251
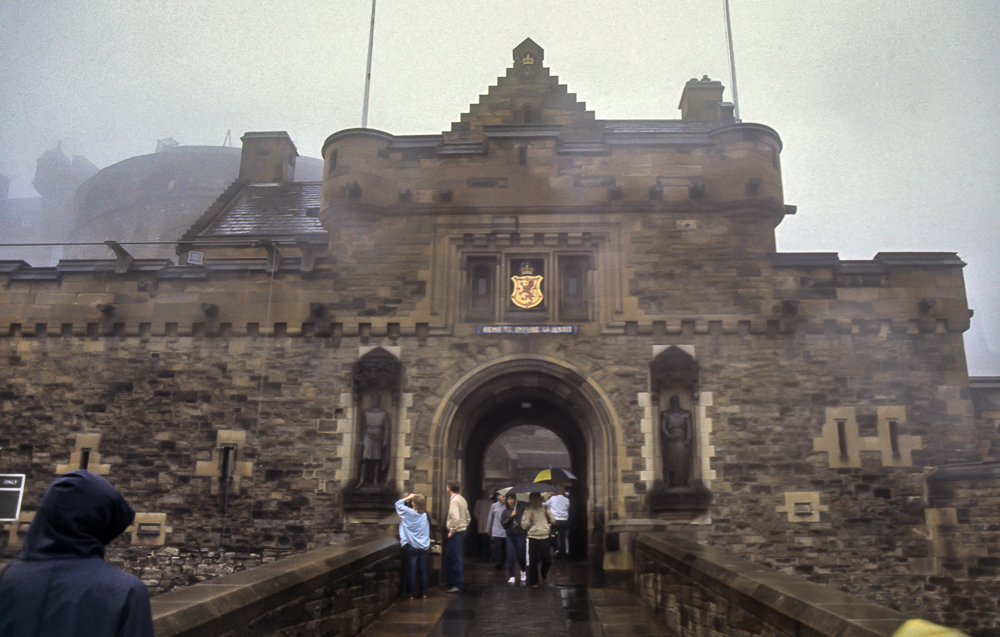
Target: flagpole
732 60
368 73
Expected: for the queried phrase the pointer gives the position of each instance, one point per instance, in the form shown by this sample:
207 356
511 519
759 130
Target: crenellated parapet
528 146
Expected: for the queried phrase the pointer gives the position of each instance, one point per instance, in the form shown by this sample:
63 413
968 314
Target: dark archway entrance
532 406
538 390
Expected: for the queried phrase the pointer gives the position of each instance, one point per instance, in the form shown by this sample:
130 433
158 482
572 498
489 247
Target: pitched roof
264 210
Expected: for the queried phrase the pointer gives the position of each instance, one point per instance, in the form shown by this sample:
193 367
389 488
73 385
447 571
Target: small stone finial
528 53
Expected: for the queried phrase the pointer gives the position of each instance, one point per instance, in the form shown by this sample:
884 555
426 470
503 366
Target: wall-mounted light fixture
353 190
210 309
790 308
107 309
405 195
926 305
656 192
753 186
445 194
696 191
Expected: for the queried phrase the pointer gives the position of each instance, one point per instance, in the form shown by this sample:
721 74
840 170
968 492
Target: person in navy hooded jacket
60 583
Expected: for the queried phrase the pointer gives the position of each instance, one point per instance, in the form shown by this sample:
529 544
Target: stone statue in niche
375 426
675 432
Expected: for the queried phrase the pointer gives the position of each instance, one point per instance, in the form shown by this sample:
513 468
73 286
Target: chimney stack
702 101
268 158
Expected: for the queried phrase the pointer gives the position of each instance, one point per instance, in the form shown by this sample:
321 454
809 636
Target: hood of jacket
79 515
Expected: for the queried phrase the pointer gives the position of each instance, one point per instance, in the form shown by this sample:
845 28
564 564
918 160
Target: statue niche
674 378
376 389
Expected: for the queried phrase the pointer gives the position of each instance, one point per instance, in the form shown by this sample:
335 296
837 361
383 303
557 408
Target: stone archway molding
452 425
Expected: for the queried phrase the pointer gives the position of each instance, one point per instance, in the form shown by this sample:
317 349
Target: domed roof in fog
157 197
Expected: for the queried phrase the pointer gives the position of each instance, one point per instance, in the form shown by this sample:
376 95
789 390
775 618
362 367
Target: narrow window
227 462
528 115
842 437
522 155
894 438
481 290
573 289
84 458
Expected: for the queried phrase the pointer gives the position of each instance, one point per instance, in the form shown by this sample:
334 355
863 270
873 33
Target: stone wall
704 592
338 590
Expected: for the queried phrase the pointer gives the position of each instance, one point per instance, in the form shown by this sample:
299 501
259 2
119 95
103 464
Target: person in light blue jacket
415 538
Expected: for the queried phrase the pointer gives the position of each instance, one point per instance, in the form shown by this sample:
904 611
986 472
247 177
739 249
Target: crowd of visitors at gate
528 537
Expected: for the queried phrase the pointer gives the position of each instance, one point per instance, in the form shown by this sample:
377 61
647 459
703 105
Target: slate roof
267 210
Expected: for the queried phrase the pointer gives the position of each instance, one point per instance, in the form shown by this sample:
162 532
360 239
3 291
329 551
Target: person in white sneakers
537 522
510 519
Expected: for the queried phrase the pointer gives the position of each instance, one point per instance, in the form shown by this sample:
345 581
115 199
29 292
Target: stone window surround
503 262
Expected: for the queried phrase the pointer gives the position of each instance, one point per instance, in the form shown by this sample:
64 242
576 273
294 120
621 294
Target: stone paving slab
570 605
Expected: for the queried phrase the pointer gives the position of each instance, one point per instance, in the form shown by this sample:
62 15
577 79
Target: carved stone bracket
694 499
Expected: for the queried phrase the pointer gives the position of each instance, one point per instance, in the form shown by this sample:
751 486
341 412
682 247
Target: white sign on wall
11 490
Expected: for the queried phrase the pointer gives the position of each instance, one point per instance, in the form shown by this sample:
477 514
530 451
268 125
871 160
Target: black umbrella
533 487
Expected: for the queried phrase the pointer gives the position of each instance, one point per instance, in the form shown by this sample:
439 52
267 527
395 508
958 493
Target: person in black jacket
510 520
60 583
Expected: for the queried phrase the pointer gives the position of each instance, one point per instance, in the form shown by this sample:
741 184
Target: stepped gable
527 95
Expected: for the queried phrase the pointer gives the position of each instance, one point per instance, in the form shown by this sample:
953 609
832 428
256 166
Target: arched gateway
537 390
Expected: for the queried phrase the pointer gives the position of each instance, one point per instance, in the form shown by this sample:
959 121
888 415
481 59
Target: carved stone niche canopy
377 371
674 367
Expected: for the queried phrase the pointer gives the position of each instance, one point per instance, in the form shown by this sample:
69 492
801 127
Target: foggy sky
885 108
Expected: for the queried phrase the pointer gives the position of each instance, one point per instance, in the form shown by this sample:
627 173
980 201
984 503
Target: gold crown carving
526 269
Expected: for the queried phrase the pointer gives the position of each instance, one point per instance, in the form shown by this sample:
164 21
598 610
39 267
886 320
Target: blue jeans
561 527
515 552
416 562
453 561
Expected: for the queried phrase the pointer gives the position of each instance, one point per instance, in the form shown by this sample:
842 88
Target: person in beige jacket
537 521
457 523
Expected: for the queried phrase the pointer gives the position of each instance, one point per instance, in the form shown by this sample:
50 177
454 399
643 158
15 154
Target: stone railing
338 589
699 590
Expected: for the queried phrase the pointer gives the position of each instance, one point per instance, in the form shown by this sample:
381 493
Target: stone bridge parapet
338 589
700 590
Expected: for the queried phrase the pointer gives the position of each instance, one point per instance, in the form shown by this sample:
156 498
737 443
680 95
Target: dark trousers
453 561
416 563
499 551
515 552
561 527
539 557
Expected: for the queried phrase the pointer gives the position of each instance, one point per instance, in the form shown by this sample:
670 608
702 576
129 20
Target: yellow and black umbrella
555 476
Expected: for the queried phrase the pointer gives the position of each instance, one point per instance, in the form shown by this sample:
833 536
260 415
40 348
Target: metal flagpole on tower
368 73
732 62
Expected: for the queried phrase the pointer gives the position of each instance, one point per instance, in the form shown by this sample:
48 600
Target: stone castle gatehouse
322 347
